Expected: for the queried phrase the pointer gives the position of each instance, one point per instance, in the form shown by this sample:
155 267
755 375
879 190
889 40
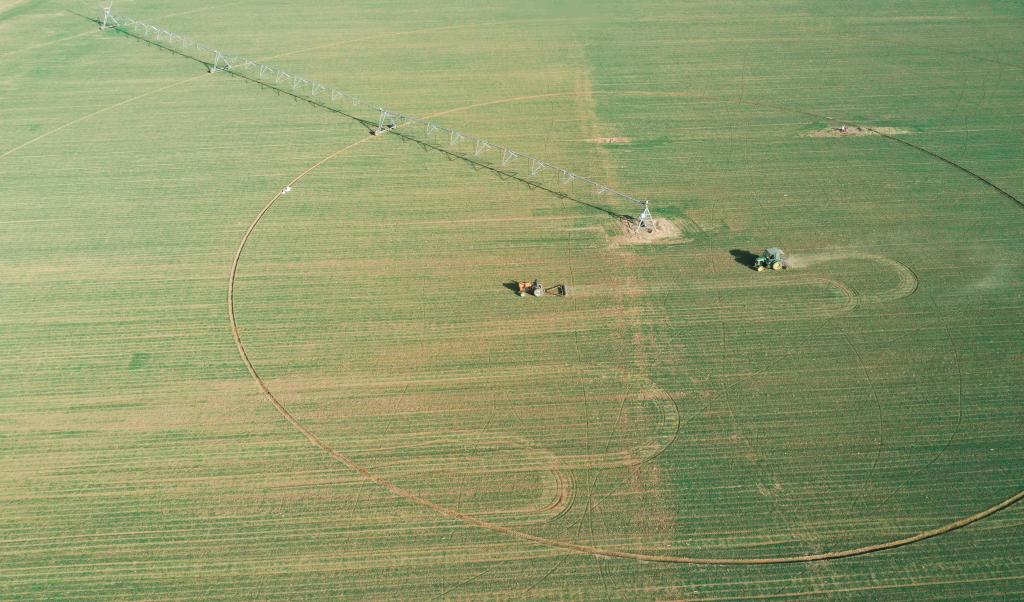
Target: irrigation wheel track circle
546 541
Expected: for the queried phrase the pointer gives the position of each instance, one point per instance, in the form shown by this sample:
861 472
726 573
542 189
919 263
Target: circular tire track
538 460
526 536
908 279
563 544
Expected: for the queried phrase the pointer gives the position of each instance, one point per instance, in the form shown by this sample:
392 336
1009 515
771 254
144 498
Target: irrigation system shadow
504 174
743 257
371 126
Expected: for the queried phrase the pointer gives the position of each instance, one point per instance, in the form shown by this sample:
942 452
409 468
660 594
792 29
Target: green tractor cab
773 258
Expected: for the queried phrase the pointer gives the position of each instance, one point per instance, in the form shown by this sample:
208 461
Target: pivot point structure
646 220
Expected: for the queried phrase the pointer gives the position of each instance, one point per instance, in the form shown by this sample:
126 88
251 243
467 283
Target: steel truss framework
448 140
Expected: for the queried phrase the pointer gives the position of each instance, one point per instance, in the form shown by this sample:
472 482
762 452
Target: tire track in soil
761 467
907 286
109 107
960 409
99 112
880 446
546 460
572 547
547 541
585 110
568 545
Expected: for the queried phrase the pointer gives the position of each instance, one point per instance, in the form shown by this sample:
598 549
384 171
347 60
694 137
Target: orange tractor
534 288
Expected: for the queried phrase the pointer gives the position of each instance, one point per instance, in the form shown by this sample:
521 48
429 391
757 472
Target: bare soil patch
619 140
853 130
664 231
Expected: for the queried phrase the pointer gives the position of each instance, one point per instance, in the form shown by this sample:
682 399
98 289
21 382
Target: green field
409 429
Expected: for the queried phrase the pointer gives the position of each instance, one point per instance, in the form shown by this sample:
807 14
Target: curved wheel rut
906 287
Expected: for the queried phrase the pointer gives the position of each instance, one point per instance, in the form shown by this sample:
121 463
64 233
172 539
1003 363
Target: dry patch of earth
853 130
664 231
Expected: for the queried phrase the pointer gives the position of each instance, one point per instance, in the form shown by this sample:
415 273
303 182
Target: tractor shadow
512 286
745 258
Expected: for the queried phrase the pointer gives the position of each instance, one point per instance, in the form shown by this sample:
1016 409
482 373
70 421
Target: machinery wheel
760 268
777 265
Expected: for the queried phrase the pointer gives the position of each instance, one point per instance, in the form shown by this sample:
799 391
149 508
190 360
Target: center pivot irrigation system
504 160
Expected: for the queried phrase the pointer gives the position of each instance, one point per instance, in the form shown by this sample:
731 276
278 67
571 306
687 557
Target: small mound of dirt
853 130
621 140
664 231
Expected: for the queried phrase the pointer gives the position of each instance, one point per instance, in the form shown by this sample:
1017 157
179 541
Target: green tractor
773 258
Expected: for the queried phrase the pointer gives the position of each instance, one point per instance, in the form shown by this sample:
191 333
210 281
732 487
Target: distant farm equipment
774 258
536 289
